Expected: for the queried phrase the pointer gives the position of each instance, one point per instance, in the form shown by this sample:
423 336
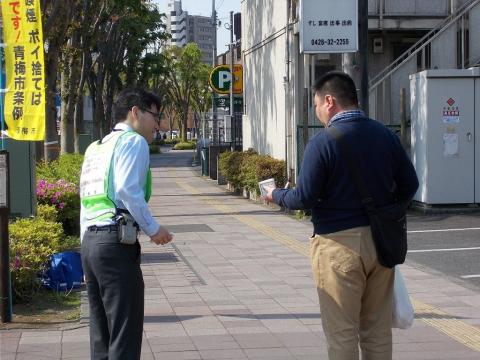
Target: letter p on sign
224 77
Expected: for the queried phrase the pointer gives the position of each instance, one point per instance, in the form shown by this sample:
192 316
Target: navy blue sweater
326 187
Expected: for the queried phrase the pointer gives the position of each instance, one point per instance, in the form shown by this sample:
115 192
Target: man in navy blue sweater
355 291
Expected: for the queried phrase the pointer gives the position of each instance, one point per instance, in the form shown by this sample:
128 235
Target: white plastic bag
403 314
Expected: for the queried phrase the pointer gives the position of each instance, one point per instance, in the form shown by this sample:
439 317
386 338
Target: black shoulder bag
388 223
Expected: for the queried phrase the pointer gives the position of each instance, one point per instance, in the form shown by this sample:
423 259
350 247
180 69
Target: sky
204 8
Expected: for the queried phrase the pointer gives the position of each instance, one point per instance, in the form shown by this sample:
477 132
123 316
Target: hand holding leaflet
265 185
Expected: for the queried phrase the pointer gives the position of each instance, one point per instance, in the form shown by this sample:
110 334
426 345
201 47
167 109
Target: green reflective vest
96 179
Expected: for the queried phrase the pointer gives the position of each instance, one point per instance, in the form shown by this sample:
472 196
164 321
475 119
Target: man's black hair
131 97
339 85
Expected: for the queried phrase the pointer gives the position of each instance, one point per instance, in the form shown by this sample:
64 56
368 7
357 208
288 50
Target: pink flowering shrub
66 199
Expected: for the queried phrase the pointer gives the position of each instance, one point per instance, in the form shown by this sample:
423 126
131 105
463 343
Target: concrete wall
474 22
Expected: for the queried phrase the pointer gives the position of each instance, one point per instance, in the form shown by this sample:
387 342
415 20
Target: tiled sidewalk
229 288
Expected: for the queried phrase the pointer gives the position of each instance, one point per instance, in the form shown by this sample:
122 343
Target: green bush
246 169
69 243
185 146
172 141
66 199
66 167
32 242
47 212
229 164
154 149
268 167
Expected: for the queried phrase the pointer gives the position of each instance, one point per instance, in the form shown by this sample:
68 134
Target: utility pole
214 63
5 293
356 64
232 80
363 53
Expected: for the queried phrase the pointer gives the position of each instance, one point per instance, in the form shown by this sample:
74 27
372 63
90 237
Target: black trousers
116 296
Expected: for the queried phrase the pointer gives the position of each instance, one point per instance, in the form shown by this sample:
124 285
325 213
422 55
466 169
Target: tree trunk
108 101
64 126
74 78
78 120
69 84
185 123
78 117
98 113
51 136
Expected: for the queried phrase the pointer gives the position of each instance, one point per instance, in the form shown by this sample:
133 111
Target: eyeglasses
155 115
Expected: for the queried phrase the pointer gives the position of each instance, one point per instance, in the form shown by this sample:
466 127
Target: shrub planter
255 196
221 180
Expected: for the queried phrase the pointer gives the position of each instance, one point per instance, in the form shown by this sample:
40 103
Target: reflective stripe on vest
95 179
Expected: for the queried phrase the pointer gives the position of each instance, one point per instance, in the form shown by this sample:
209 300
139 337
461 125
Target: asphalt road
449 244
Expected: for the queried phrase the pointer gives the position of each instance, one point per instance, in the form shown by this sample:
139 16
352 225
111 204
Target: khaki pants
355 294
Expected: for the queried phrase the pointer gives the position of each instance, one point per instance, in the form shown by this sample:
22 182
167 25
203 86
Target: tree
185 65
78 62
125 35
202 96
184 77
102 44
57 16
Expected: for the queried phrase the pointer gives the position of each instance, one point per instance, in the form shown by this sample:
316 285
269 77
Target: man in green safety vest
115 186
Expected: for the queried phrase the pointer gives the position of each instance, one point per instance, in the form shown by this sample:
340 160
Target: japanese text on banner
24 67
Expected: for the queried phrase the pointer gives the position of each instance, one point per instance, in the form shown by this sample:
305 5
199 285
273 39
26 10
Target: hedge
246 169
190 145
67 167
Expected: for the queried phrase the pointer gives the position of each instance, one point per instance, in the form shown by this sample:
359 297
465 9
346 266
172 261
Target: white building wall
177 24
263 40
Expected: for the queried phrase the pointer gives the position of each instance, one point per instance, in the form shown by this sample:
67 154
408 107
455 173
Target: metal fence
301 143
219 129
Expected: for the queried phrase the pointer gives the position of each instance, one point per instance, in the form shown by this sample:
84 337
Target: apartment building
186 28
278 102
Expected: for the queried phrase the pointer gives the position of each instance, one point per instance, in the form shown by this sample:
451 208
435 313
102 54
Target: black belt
109 228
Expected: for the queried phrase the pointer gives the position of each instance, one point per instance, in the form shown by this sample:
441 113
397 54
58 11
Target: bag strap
345 150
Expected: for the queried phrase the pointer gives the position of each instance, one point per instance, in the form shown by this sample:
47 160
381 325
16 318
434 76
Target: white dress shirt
130 164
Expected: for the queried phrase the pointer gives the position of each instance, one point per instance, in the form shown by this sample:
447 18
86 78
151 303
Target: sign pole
232 121
363 53
214 63
2 86
5 294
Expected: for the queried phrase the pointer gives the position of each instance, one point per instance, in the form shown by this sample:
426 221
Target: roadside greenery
172 141
67 167
189 145
154 149
58 185
98 48
54 229
246 169
32 242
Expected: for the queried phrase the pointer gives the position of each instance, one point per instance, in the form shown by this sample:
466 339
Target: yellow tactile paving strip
464 333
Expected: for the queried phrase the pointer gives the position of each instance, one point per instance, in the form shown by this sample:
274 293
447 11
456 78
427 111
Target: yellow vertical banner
25 71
